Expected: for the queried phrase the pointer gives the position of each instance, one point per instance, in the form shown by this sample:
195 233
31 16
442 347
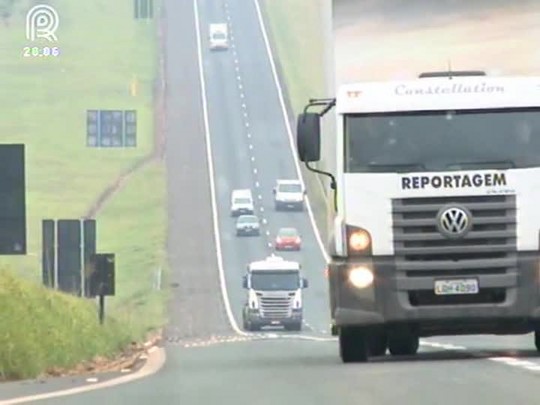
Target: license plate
275 322
456 287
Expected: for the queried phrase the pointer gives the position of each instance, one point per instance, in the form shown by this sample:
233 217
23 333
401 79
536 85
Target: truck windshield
442 140
275 281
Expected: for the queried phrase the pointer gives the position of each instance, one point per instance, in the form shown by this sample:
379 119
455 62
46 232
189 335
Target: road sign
12 200
111 128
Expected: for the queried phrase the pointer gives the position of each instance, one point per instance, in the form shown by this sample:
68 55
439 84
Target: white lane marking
506 360
264 221
253 160
257 184
254 170
152 366
260 197
217 238
277 83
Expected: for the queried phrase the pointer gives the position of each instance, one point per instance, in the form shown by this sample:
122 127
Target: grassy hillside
104 54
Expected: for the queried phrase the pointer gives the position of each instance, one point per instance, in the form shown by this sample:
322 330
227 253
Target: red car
288 239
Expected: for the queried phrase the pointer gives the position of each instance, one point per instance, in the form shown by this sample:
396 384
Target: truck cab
218 37
436 225
274 294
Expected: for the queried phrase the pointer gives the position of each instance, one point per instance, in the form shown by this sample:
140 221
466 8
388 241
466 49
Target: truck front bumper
507 302
257 319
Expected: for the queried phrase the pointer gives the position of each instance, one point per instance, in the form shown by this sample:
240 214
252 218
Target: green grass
133 227
297 37
43 103
41 328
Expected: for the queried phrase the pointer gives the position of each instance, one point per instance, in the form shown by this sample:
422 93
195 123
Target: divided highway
251 150
207 361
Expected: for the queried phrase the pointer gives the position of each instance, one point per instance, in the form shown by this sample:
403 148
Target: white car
242 202
289 194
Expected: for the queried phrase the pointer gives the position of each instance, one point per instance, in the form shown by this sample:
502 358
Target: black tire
378 343
403 344
537 339
353 345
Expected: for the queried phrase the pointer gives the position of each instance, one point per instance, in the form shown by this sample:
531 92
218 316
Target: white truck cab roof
438 93
274 263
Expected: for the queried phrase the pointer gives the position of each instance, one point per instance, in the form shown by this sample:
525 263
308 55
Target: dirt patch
130 359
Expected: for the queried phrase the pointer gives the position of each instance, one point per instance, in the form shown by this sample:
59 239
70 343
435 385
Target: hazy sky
377 40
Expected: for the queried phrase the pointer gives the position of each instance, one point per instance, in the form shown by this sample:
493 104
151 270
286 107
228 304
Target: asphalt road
206 361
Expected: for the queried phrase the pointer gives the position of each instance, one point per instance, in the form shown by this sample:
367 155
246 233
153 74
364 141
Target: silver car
248 225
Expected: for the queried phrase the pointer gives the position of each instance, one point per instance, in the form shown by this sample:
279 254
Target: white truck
218 37
437 220
274 287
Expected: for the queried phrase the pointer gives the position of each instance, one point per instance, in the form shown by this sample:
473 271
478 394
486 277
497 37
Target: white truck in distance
218 37
274 294
437 220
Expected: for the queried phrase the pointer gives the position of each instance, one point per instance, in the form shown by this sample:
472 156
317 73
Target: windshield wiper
494 164
396 167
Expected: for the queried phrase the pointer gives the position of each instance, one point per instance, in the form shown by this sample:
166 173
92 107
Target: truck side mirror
305 283
274 191
305 192
308 137
244 282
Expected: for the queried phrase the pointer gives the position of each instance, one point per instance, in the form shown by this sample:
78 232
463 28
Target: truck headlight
358 241
361 277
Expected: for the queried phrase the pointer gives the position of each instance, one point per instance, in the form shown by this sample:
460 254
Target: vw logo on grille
454 222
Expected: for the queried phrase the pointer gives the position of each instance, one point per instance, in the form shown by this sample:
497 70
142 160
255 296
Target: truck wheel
537 339
353 345
378 343
405 344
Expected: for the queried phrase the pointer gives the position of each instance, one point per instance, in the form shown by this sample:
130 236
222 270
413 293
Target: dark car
247 225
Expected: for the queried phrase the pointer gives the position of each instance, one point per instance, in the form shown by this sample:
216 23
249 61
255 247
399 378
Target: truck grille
488 248
275 307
